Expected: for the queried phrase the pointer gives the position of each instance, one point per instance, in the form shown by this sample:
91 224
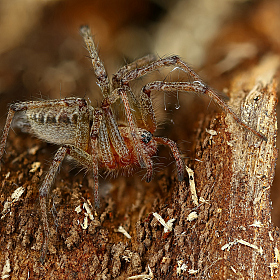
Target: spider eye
146 136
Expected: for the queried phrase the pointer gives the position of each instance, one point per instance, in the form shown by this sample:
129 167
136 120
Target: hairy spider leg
6 129
176 154
104 84
44 191
113 132
170 61
146 60
98 67
81 156
142 156
195 86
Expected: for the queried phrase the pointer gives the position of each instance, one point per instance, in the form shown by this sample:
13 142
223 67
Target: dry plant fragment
14 198
94 138
192 216
149 276
123 231
6 269
192 185
167 225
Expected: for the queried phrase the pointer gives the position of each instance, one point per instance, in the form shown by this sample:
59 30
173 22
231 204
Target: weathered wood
230 237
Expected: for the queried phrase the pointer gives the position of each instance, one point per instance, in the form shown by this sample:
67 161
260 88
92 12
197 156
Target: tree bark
228 234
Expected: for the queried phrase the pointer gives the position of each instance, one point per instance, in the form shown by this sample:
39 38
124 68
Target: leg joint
18 107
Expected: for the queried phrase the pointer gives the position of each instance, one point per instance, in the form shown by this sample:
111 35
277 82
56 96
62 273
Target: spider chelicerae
93 137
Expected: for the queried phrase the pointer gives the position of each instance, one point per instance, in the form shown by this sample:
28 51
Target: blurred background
42 55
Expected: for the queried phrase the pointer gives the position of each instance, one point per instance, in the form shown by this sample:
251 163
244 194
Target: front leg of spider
196 86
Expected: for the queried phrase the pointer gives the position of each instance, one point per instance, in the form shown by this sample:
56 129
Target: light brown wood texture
231 237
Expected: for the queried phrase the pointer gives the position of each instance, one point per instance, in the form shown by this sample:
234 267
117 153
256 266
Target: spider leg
44 191
156 65
104 146
143 158
6 131
198 84
176 154
80 156
117 141
148 59
97 119
98 67
195 86
111 127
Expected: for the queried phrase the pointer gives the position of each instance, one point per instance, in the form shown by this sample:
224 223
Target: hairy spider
93 137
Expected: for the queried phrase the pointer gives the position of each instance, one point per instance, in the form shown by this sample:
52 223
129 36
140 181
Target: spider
93 137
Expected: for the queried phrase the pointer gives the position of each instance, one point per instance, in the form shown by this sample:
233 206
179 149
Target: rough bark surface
229 235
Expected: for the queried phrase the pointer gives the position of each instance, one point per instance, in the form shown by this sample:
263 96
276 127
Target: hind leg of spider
79 155
44 191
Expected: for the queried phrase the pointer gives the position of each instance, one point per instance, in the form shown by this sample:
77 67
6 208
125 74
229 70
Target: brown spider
93 137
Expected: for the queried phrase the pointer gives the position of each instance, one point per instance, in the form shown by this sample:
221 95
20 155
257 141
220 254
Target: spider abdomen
57 126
